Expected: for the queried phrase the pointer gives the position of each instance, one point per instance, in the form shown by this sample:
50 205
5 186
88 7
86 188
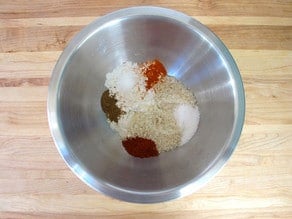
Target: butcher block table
36 183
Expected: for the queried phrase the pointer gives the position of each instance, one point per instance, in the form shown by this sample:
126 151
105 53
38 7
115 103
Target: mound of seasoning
140 147
153 71
151 111
109 107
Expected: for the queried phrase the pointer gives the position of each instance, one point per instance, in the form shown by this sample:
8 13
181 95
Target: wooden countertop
34 180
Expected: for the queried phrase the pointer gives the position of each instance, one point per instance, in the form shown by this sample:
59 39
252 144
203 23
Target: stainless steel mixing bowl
192 54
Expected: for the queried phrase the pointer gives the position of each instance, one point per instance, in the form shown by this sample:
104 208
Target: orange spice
154 71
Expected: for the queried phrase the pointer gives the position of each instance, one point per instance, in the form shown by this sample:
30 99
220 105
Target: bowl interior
94 151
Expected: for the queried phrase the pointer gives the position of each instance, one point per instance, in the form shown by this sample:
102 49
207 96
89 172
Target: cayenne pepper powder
154 71
140 147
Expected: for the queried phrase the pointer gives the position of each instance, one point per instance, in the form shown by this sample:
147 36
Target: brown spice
140 147
109 107
154 72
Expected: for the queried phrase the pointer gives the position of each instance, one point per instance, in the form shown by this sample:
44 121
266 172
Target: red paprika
140 147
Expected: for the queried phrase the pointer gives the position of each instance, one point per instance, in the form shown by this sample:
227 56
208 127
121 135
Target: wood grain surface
36 183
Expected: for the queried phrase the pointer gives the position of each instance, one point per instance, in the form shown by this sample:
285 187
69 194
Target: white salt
126 82
187 118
